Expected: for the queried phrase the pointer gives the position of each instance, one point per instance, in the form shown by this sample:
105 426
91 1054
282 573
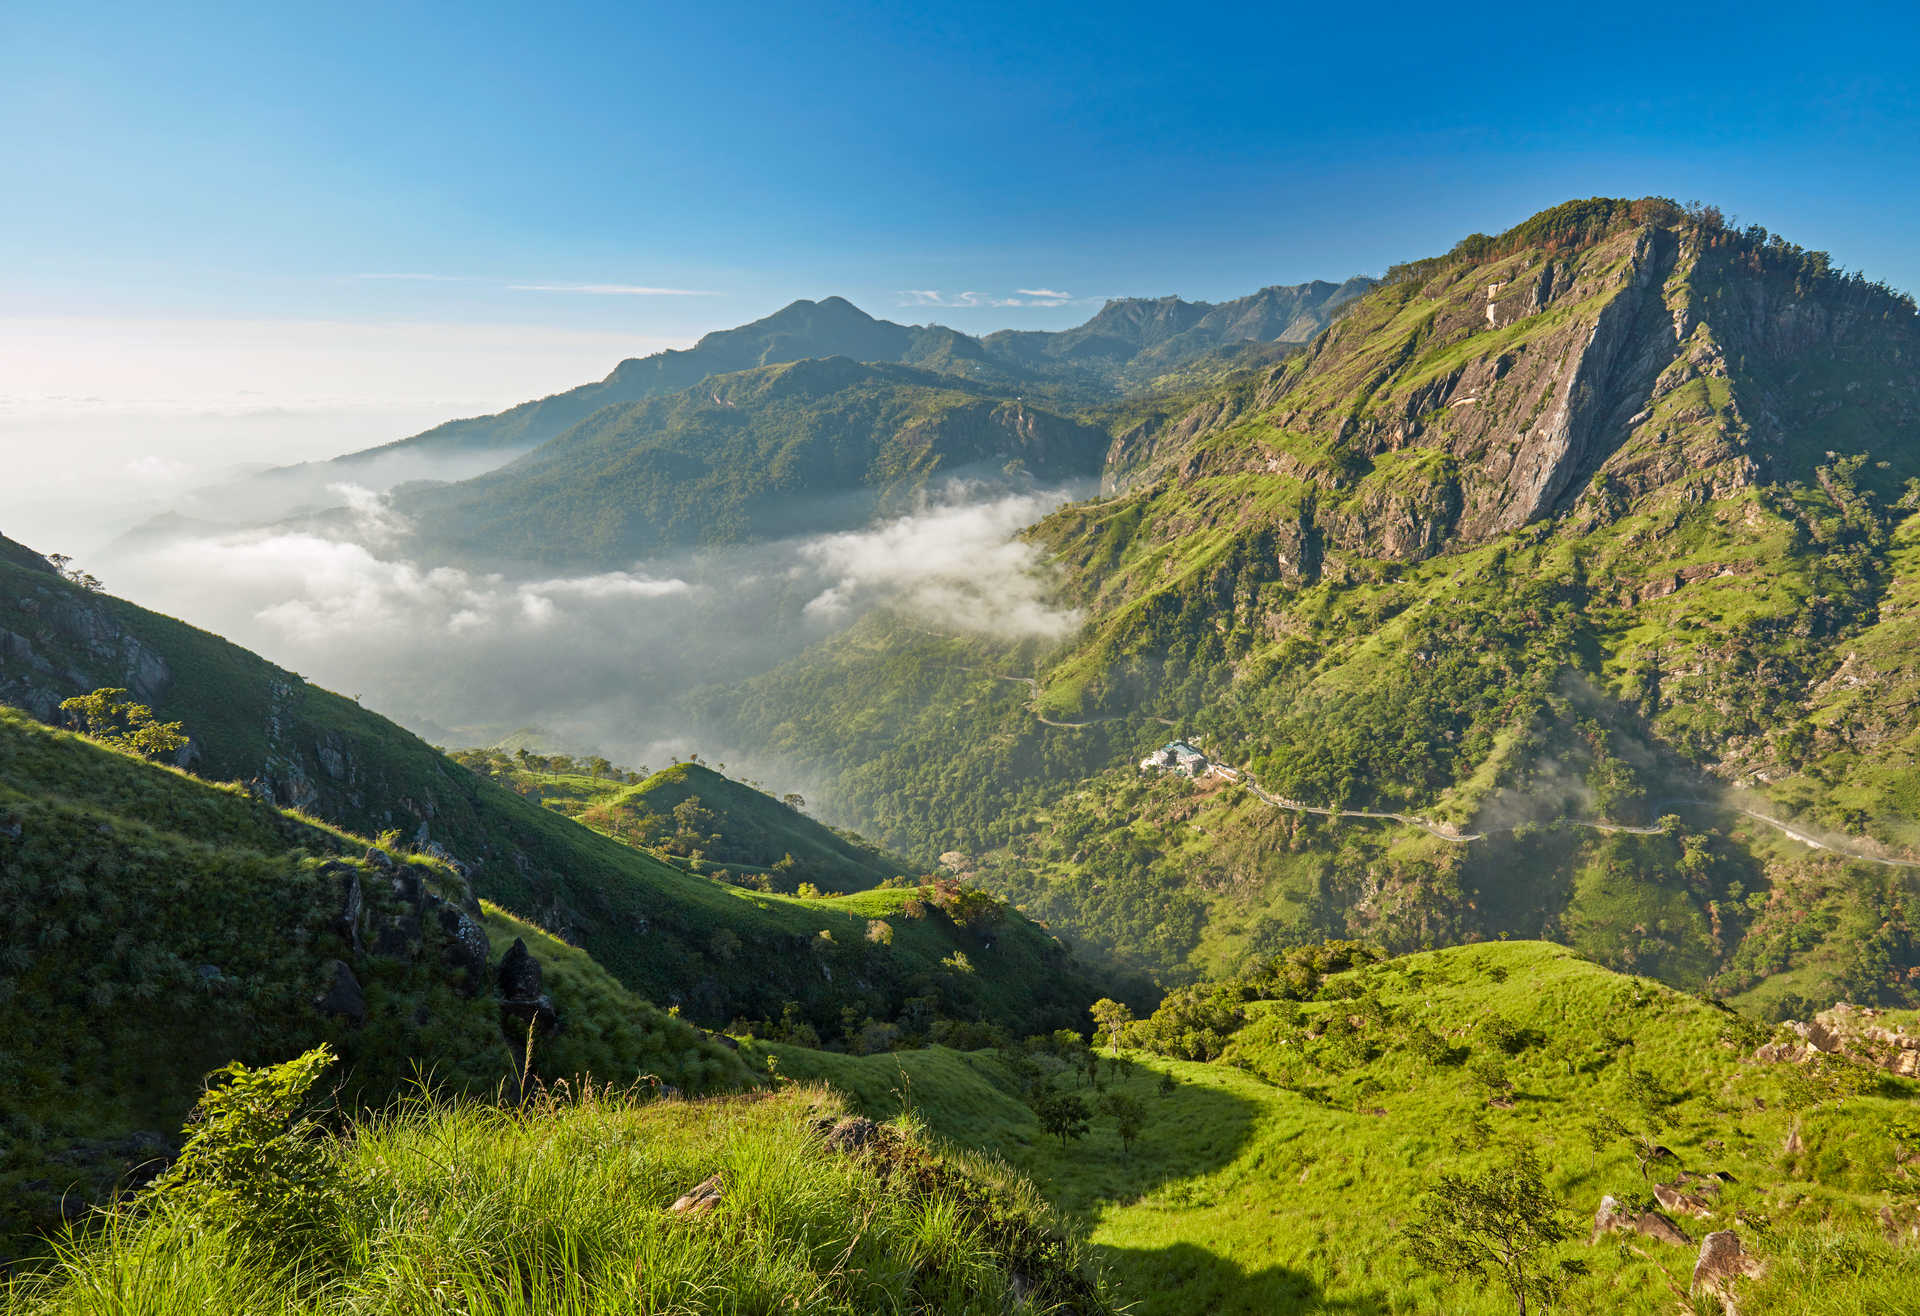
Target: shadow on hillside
1189 1133
1177 1280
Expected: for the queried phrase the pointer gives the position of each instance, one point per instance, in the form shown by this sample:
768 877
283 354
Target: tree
106 717
1062 1114
86 580
1501 1226
1129 1117
1110 1019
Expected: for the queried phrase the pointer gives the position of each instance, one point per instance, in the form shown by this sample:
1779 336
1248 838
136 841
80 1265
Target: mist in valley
590 662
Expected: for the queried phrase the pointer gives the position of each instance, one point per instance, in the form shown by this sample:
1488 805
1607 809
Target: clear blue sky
247 161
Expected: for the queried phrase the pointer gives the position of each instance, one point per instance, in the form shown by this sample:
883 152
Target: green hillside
162 926
778 451
695 809
1283 1175
595 1202
1565 532
697 818
671 937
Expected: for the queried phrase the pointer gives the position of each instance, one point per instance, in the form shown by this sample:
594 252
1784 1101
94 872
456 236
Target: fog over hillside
596 661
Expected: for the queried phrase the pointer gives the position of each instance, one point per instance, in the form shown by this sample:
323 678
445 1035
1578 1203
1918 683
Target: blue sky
237 170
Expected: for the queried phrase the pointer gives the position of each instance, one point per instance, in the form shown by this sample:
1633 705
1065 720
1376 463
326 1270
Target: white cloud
611 289
960 565
1024 297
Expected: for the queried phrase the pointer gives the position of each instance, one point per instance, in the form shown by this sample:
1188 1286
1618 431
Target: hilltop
692 812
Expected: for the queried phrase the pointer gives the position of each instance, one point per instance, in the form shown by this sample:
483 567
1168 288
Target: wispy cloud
962 300
611 289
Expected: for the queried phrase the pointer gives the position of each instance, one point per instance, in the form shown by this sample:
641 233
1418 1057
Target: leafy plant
1502 1225
255 1163
123 724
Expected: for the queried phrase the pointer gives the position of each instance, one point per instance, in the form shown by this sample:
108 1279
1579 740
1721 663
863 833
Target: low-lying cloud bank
598 661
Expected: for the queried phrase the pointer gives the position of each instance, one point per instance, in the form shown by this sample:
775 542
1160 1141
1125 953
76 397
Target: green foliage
565 1207
1061 1115
124 725
1129 1116
1500 1226
255 1166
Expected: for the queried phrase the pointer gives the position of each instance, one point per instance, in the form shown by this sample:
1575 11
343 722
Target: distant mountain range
1122 349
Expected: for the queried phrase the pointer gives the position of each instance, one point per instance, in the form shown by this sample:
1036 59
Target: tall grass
564 1208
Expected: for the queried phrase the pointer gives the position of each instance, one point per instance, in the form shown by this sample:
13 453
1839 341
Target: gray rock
342 998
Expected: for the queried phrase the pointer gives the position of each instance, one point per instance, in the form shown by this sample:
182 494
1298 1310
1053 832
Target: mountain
653 926
1147 336
1595 523
778 451
1072 367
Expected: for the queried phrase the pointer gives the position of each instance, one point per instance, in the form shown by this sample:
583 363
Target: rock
703 1197
1612 1218
519 975
524 1005
1675 1199
851 1134
352 903
468 948
342 998
1722 1260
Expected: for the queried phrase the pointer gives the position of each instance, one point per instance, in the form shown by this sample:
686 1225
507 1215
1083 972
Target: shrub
255 1164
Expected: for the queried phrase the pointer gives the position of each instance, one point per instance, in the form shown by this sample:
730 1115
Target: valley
1539 886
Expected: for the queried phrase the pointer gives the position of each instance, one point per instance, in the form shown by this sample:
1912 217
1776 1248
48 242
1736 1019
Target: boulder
1722 1260
851 1134
467 947
342 997
1613 1218
700 1199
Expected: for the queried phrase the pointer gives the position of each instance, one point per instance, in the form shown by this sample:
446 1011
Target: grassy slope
653 926
1276 1178
162 926
755 830
564 1209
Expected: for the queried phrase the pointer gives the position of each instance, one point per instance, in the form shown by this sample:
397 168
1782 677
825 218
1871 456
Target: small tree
1110 1019
106 717
255 1163
1129 1117
1500 1226
1062 1114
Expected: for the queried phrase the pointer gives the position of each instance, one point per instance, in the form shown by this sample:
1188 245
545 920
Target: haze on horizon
262 236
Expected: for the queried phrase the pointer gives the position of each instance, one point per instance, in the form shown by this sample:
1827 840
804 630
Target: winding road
1449 833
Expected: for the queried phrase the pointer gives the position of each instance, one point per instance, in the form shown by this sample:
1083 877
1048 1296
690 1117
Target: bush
254 1164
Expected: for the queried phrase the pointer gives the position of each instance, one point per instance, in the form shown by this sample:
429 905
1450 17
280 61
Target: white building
1176 756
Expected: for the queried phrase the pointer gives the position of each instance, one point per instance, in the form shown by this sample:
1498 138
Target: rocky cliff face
1469 400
